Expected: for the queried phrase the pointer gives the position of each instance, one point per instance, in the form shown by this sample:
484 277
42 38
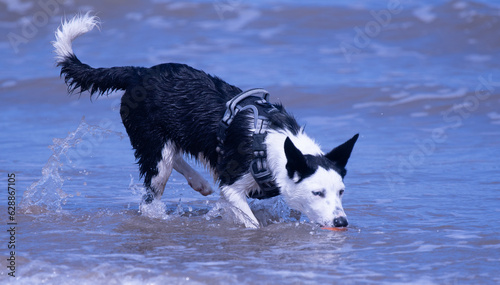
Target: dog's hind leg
193 178
164 169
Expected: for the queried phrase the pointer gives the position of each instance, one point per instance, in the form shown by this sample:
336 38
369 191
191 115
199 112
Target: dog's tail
78 75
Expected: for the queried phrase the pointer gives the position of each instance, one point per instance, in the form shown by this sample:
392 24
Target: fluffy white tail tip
70 30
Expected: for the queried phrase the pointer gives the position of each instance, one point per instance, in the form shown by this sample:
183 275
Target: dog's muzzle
340 222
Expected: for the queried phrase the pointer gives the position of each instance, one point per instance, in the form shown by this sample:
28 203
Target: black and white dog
173 109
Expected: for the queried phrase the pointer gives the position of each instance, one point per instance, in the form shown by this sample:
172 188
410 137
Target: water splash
274 210
156 210
268 211
47 194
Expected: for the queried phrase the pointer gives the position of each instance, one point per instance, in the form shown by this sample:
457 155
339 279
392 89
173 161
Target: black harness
257 101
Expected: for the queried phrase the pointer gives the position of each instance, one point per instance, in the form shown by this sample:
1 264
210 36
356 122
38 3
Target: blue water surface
422 184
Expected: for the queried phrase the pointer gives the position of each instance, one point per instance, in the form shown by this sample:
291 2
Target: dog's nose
340 222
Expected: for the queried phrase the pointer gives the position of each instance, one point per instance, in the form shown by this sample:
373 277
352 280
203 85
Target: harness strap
257 101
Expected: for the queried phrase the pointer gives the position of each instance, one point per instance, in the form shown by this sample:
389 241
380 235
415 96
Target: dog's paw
201 185
148 198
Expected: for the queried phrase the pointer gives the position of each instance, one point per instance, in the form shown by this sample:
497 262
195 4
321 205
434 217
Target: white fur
276 158
70 30
322 210
193 178
164 166
201 159
236 194
171 158
299 195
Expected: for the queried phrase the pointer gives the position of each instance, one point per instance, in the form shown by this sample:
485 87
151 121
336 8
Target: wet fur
172 109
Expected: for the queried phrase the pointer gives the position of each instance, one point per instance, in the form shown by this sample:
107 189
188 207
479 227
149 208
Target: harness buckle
258 142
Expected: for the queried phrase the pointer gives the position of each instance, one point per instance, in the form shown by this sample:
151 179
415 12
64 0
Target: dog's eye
341 192
319 193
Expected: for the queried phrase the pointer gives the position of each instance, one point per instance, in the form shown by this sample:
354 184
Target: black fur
177 103
297 164
96 80
239 142
306 165
340 155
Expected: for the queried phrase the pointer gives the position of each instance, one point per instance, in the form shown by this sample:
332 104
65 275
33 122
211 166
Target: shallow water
422 185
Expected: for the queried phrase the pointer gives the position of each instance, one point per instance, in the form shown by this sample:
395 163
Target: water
421 85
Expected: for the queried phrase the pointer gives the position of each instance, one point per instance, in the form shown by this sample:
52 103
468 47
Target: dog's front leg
235 194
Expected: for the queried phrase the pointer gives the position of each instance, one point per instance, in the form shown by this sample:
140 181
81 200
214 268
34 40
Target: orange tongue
334 229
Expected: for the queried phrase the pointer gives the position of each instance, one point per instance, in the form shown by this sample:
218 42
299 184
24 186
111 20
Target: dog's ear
340 155
296 162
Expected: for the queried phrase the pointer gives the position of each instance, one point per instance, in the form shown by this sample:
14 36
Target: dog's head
316 183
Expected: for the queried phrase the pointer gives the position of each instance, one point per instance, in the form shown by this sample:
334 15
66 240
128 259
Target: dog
253 148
